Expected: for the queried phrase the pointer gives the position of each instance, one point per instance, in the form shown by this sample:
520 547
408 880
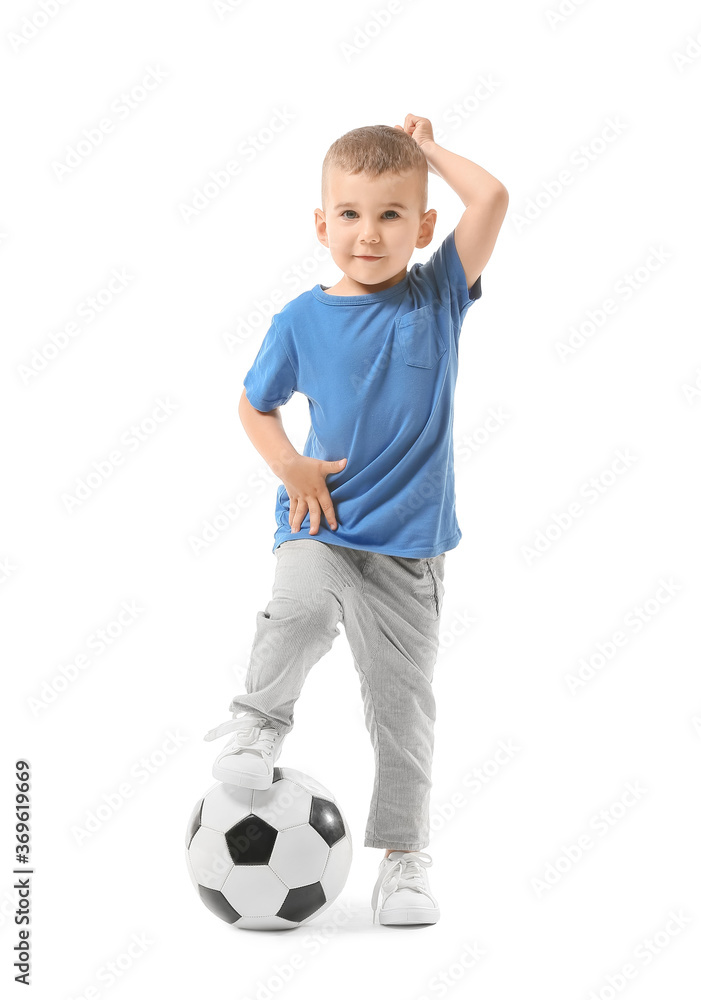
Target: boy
377 355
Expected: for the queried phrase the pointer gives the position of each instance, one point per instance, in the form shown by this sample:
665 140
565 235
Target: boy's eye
353 212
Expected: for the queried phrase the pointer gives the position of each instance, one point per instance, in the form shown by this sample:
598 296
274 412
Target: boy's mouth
361 257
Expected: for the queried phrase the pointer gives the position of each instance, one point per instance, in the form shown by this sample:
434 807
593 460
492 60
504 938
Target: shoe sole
416 915
240 778
243 778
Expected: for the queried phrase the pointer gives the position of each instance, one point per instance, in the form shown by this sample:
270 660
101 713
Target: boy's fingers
329 511
313 520
298 511
299 515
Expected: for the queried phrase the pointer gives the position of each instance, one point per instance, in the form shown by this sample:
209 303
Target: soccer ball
272 858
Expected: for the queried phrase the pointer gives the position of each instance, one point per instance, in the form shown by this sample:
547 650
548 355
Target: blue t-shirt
379 371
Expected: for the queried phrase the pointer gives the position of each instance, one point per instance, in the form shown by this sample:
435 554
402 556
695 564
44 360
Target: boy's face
373 216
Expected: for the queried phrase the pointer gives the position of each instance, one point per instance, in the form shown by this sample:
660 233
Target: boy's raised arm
486 201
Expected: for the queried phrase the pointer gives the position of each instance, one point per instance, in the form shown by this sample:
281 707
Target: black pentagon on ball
302 902
251 841
218 904
327 820
194 823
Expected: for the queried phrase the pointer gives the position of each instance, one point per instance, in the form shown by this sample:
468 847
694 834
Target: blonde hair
375 150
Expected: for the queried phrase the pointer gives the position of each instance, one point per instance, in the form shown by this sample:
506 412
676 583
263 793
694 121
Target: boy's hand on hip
305 482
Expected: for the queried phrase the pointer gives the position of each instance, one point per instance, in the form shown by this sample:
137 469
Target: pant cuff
394 846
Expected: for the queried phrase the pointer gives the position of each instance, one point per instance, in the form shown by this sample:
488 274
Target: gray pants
390 607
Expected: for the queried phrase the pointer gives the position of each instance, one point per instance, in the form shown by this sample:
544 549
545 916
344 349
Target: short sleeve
444 279
271 380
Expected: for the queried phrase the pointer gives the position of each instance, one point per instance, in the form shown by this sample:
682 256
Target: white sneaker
406 897
248 759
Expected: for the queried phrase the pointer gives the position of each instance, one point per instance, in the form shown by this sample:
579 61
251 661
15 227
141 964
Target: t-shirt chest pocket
420 337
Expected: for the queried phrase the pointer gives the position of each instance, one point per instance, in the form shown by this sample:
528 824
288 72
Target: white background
186 327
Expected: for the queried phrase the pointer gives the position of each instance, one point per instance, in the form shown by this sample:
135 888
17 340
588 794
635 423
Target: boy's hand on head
420 129
305 482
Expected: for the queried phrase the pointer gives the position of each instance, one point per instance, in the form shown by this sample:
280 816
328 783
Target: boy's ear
320 226
428 225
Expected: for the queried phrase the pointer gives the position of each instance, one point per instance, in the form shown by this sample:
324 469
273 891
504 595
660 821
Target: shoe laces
406 871
253 731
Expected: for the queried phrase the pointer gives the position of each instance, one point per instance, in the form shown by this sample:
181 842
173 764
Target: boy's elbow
245 405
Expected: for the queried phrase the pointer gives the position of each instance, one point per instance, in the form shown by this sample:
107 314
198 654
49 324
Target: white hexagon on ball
210 858
284 805
254 890
299 856
225 805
